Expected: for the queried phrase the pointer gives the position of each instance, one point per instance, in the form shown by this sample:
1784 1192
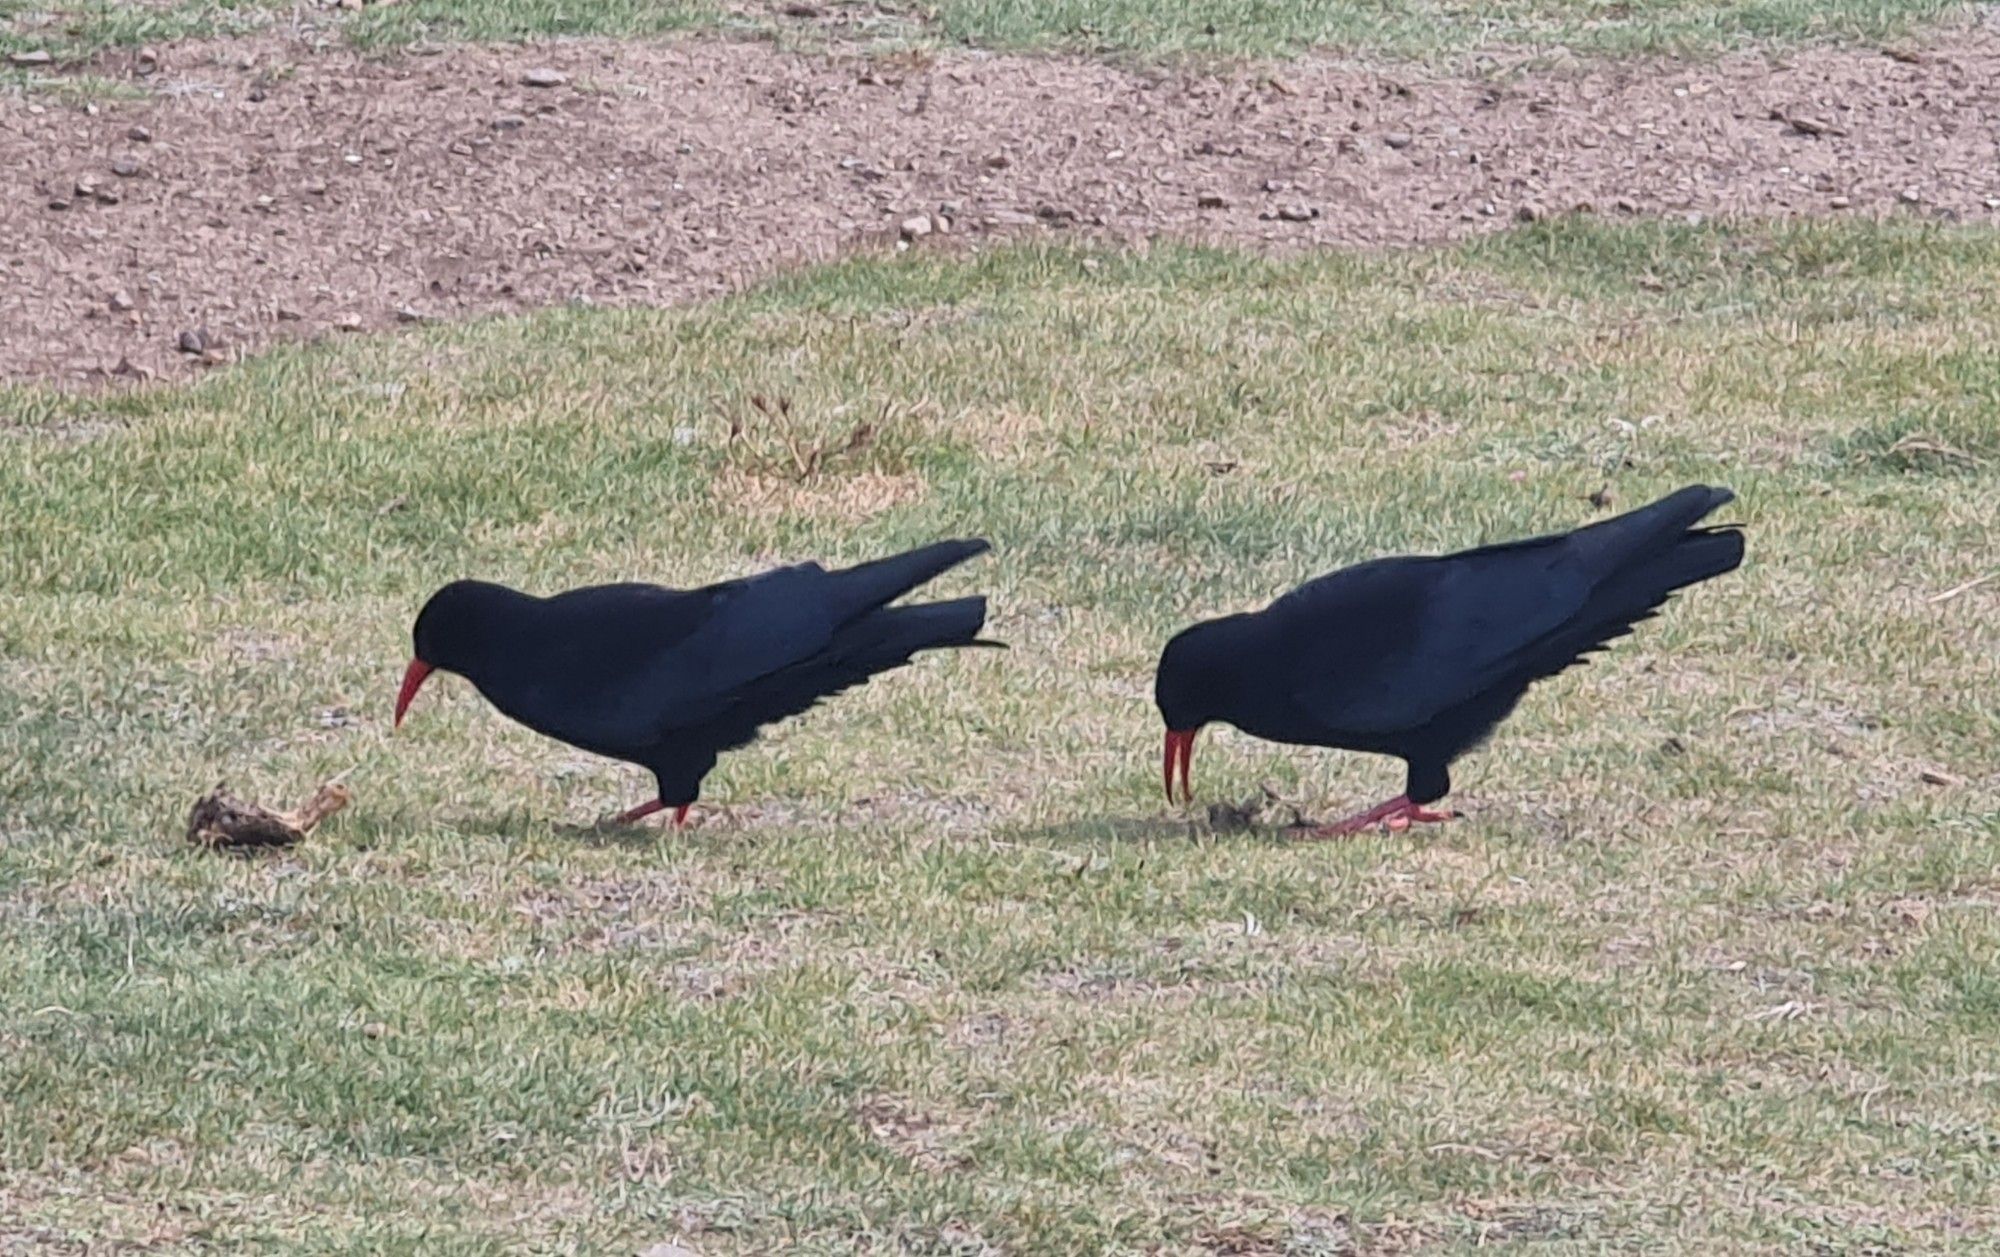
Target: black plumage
1420 658
668 679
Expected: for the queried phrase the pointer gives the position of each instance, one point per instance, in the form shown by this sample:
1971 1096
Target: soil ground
266 190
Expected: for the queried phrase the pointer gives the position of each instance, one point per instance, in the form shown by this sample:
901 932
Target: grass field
1712 967
1143 27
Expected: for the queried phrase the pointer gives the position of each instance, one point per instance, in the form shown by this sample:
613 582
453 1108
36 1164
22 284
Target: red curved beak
413 680
1180 750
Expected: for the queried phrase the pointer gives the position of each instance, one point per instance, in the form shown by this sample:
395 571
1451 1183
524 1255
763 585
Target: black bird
668 678
1421 658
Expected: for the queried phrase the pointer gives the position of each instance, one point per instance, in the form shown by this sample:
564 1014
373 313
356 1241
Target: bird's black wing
624 665
882 640
642 664
1404 640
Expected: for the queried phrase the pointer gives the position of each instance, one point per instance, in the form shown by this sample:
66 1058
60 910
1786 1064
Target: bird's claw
1395 816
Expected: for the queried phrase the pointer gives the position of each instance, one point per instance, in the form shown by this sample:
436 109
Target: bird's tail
1699 554
1643 535
867 586
888 638
1658 554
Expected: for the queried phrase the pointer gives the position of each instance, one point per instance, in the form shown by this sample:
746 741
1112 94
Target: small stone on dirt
410 314
1839 202
121 300
1297 213
544 76
915 227
1210 200
1527 213
33 56
149 60
125 166
509 122
1910 196
1398 139
193 341
138 134
347 323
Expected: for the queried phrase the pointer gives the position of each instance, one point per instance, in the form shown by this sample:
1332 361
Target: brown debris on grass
220 821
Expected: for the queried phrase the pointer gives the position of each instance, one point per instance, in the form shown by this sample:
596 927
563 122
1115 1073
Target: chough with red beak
668 679
1421 658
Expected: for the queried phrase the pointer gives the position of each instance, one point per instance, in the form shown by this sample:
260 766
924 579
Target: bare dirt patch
268 191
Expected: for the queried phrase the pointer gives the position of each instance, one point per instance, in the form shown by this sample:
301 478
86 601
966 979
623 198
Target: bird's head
1192 688
453 632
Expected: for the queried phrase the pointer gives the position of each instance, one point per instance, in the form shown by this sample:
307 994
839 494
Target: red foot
1398 813
644 810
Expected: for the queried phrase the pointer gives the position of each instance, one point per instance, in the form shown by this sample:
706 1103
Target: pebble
34 56
138 134
193 341
125 166
509 122
1840 202
121 300
1210 200
1298 213
1910 196
1398 139
543 76
915 227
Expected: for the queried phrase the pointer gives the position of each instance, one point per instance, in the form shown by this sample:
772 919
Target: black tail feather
865 587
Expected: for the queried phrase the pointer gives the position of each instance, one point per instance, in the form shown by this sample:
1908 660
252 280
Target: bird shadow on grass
637 835
1116 831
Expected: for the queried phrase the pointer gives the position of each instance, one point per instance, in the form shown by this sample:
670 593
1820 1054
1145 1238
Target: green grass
1710 968
1145 28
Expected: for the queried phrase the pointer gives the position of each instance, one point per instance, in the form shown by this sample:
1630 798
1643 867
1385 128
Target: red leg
644 810
1417 814
1362 820
1397 813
